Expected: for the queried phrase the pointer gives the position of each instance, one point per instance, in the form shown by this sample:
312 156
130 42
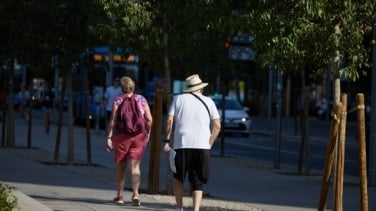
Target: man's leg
199 176
178 191
197 197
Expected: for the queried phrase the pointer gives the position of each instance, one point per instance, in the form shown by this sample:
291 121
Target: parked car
237 120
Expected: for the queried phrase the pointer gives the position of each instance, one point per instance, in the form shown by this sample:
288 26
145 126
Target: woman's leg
120 178
136 176
136 181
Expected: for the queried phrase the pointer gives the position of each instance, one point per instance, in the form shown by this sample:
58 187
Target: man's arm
216 123
168 131
169 122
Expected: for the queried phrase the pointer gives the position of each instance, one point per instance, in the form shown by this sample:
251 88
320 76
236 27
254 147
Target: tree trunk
155 139
29 115
59 124
288 97
336 94
330 156
362 155
303 119
338 189
10 133
3 112
88 125
70 153
167 85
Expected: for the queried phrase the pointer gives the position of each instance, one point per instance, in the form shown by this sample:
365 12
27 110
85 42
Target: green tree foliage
128 23
194 30
34 30
290 34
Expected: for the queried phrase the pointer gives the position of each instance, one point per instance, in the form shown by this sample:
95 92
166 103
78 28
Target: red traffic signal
227 45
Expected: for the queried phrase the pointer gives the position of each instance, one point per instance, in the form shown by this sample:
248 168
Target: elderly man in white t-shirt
192 114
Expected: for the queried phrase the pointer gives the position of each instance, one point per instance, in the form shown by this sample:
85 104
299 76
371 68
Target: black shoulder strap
202 103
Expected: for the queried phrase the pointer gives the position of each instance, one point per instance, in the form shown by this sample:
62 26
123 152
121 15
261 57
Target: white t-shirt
110 94
191 121
24 97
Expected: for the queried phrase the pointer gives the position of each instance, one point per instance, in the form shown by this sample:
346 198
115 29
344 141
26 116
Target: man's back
192 121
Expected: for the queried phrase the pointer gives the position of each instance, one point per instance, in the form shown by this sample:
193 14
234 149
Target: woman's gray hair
127 84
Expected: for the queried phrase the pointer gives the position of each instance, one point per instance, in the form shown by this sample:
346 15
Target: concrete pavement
235 184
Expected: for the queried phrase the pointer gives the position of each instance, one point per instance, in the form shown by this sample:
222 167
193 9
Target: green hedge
8 202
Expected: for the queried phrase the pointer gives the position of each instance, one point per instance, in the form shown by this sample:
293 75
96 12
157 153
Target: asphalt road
263 147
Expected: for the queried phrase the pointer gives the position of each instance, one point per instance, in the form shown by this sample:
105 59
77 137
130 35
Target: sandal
118 200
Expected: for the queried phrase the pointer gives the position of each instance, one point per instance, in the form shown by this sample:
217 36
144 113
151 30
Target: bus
99 65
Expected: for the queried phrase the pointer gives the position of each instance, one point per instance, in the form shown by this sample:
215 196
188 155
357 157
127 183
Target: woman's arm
148 117
111 125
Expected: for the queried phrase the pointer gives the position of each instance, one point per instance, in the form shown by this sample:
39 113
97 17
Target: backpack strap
126 96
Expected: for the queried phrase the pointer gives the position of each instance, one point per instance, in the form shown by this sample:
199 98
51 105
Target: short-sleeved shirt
192 121
110 94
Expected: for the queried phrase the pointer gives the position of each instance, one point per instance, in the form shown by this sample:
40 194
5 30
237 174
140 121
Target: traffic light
227 45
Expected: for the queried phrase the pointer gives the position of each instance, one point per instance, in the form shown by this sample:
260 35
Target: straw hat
194 83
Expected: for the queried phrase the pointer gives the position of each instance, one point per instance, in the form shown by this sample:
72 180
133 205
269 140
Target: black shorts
195 162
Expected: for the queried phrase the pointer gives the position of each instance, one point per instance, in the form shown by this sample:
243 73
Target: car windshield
230 104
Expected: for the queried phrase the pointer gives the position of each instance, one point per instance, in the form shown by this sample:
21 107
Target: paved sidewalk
234 184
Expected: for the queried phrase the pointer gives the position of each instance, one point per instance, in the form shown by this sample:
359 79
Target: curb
25 202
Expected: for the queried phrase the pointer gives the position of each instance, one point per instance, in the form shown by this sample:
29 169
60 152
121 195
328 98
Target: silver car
236 119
